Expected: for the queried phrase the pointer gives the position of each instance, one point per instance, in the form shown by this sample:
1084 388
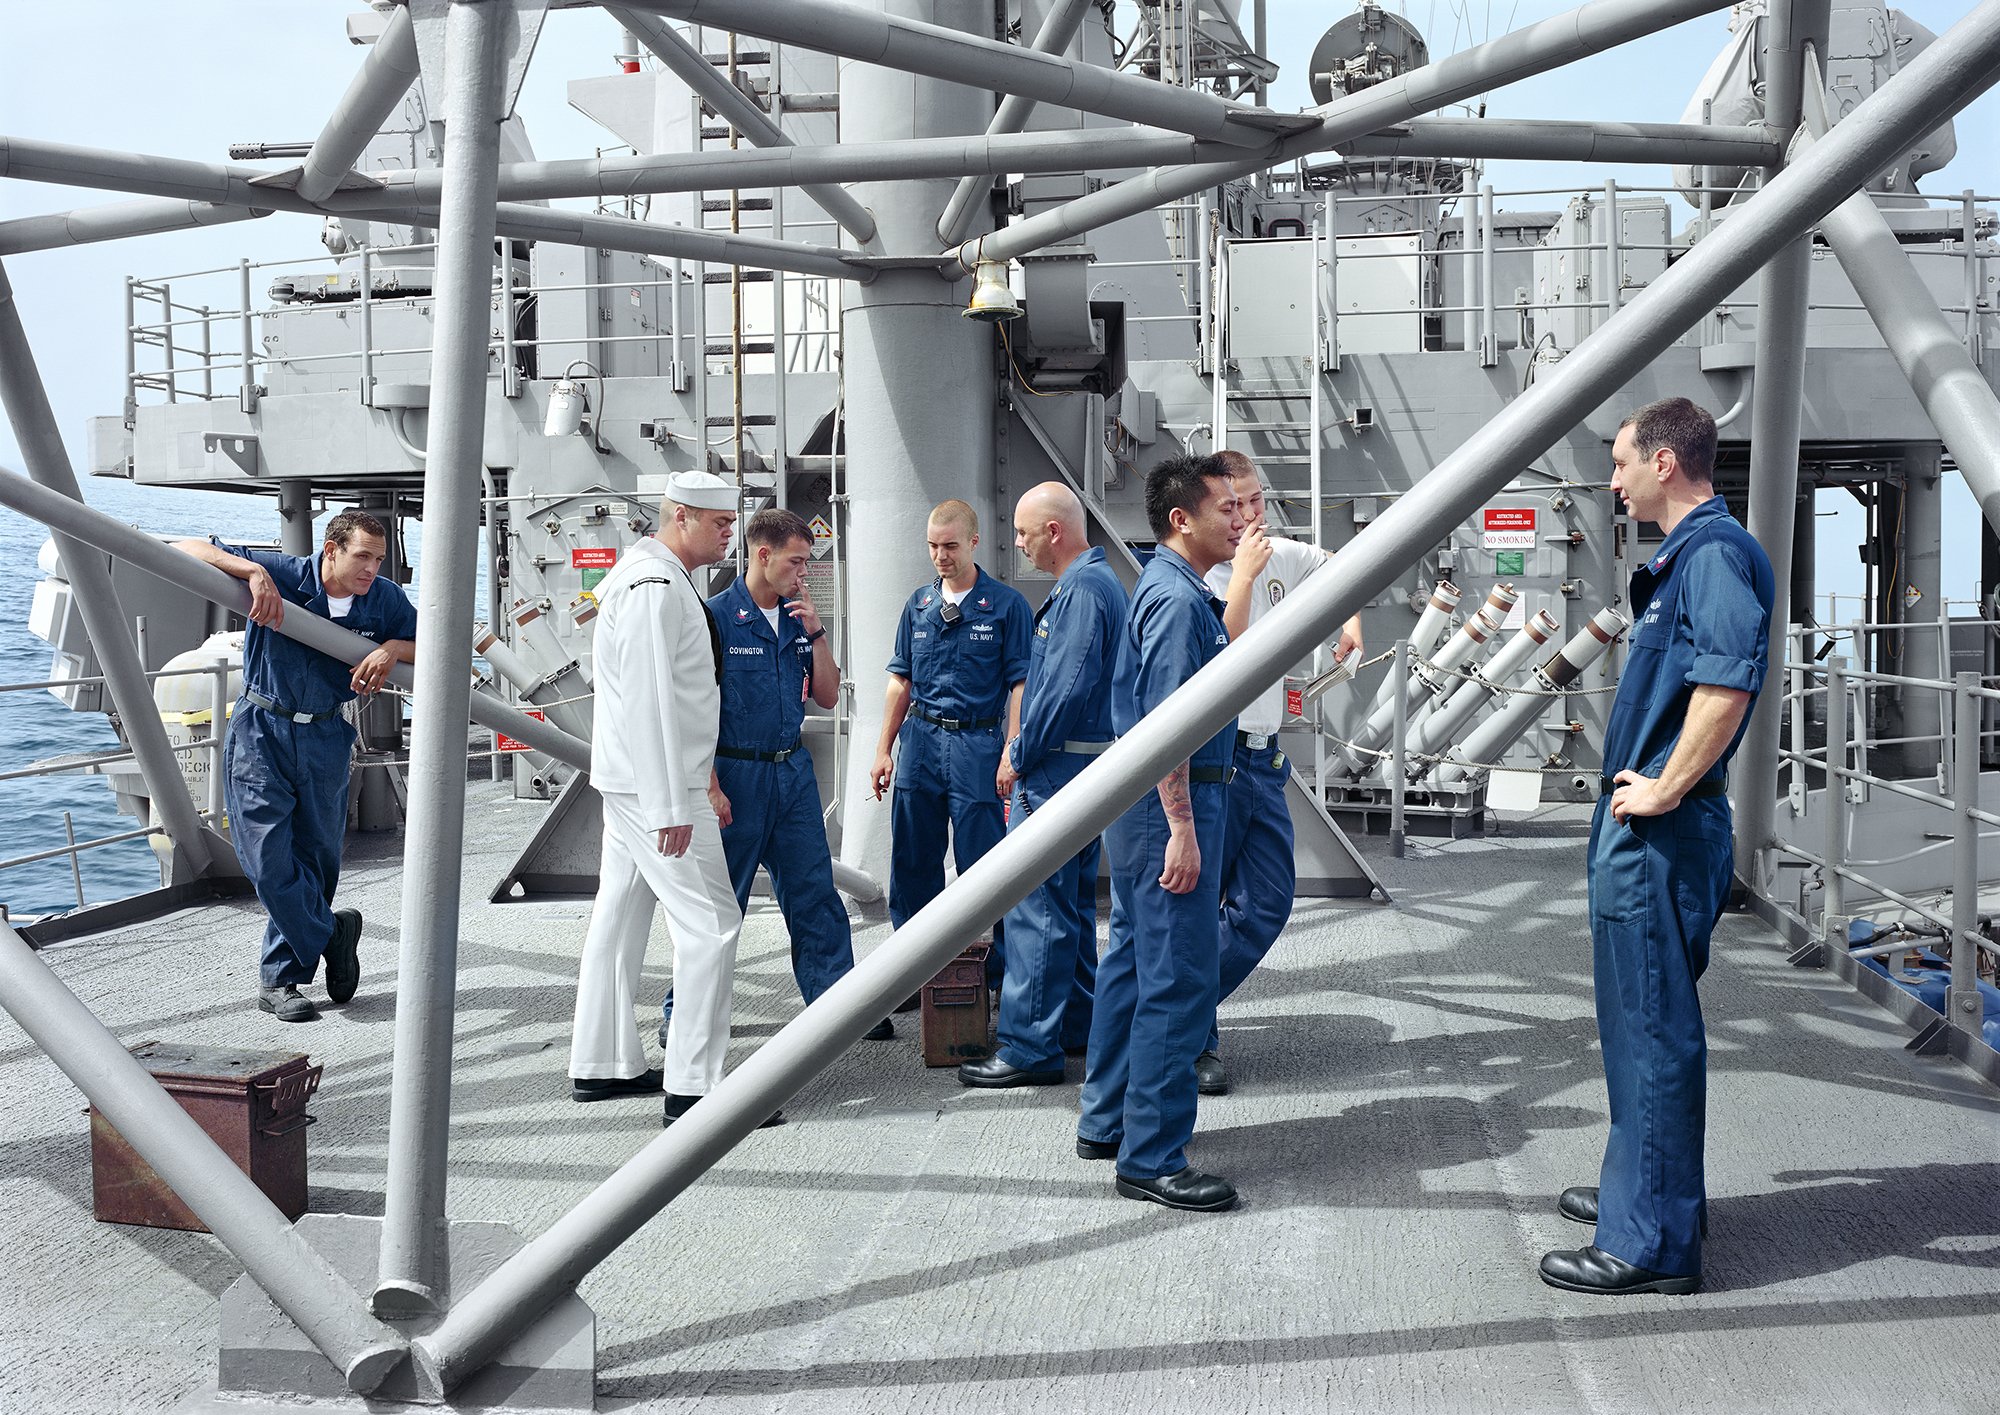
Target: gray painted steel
940 52
737 109
84 225
222 1196
1793 29
1933 87
1059 27
1532 49
27 404
414 1274
1552 140
114 537
385 76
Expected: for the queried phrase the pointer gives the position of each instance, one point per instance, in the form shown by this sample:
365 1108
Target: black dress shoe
287 1004
1210 1077
1578 1203
585 1089
677 1106
883 1031
1596 1271
1187 1189
1096 1149
343 956
991 1073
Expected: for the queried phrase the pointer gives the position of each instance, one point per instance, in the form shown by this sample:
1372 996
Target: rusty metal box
958 1010
251 1103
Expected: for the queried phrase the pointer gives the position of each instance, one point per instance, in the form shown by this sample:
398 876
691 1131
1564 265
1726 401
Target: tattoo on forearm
1174 796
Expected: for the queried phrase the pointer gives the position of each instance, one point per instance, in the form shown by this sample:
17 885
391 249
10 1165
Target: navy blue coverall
1658 883
948 751
1045 1000
285 781
763 767
1156 984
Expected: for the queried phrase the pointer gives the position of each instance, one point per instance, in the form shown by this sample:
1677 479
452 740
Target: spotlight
566 405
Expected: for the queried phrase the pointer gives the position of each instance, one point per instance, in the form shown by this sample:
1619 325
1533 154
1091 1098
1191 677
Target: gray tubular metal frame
1934 87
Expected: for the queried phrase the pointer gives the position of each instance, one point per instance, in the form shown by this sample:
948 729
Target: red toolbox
958 1010
251 1103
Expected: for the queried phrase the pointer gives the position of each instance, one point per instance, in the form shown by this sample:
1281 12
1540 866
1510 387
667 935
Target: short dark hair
1684 428
341 528
1179 484
776 527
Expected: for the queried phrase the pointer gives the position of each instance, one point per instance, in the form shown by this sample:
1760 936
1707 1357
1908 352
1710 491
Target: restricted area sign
508 744
1507 528
592 557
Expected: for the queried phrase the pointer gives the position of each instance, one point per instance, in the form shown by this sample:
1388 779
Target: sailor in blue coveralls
776 654
285 761
1660 852
954 682
1156 983
1051 965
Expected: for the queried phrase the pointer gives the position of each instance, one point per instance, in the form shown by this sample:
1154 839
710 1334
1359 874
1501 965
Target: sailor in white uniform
653 731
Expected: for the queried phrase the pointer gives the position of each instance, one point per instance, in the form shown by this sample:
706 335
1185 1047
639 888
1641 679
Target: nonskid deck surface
1414 1085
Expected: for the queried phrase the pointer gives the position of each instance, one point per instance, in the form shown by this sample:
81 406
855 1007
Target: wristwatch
816 635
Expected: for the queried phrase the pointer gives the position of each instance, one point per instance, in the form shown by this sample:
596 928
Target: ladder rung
721 350
744 204
750 277
749 420
1267 395
744 58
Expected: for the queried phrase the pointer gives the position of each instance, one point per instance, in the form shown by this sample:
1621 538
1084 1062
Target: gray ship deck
1414 1086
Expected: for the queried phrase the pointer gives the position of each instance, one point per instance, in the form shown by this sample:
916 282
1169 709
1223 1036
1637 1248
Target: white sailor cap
705 491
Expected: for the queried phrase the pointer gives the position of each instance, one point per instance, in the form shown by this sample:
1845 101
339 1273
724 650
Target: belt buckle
301 717
1257 741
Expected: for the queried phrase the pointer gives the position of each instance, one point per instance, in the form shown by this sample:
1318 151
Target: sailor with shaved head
1051 963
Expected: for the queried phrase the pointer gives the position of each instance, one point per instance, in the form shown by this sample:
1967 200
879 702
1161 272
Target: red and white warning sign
509 744
592 557
1507 528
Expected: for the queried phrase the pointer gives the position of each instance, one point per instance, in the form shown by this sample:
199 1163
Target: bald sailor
658 661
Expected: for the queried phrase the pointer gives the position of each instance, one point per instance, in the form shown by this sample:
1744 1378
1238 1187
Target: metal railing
211 814
1844 880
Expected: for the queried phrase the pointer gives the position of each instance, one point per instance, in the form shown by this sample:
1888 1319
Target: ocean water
35 725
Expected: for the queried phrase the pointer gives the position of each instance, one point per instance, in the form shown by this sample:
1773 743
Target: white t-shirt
958 596
771 617
1291 561
338 605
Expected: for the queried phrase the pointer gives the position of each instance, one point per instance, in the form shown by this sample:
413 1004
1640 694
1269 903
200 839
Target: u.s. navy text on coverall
1658 883
1051 965
285 780
653 728
948 750
1156 982
766 772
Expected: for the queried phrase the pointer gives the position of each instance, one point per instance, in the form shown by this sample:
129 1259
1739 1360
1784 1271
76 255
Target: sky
187 79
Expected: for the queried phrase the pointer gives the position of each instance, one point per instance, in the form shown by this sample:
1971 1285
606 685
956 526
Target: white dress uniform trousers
656 711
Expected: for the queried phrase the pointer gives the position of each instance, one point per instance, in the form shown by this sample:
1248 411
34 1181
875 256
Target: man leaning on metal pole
1156 981
657 704
285 762
1259 873
1051 964
1660 852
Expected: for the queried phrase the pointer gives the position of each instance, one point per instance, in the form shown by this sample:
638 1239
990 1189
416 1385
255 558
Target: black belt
744 754
1255 741
286 713
957 724
1211 775
1700 791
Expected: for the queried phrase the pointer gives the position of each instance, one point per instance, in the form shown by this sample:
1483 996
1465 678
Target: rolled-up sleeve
1728 625
899 660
